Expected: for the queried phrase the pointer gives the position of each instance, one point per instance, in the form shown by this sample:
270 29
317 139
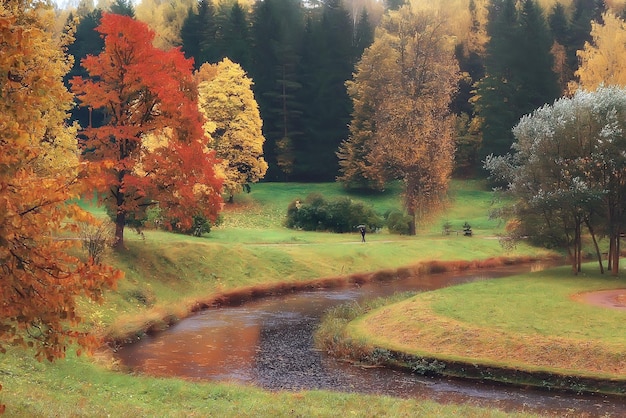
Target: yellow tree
39 174
403 87
603 60
165 18
233 122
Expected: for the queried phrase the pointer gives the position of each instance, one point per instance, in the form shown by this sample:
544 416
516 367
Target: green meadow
534 322
167 276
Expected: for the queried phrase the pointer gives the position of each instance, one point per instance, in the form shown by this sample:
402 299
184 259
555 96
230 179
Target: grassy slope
168 273
529 322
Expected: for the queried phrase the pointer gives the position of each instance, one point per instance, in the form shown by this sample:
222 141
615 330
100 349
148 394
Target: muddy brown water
269 343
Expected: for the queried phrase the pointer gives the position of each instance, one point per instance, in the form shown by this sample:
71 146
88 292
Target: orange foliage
39 280
146 91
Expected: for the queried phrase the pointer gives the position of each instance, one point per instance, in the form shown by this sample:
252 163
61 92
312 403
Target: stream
269 343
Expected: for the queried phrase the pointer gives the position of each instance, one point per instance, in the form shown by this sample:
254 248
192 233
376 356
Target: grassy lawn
77 387
529 322
166 275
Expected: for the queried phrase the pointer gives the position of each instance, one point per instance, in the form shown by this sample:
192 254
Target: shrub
339 215
398 222
96 238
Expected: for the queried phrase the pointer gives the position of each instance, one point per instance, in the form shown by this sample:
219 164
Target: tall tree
519 71
123 7
86 41
198 34
277 29
357 170
569 169
363 34
39 175
145 90
236 36
165 18
603 60
411 134
233 123
327 62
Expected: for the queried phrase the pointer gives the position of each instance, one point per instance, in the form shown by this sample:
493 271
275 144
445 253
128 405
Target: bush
200 226
97 238
398 222
339 215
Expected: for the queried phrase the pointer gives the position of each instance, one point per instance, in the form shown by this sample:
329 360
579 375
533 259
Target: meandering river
269 343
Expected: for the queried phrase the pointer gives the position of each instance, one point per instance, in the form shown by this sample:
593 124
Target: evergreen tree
518 67
236 37
87 42
198 34
327 62
363 34
277 30
585 11
538 80
123 7
559 24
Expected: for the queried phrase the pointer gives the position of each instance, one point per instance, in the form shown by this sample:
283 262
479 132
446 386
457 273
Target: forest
299 56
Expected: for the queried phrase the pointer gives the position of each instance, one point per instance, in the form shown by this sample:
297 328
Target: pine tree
363 34
519 72
326 64
199 34
277 29
236 39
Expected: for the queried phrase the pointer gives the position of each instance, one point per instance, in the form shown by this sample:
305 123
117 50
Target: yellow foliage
165 18
233 122
603 60
39 280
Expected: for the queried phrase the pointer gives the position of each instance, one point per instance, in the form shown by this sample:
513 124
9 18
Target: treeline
515 55
299 57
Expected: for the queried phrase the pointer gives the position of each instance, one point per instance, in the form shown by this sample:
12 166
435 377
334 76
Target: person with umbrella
363 230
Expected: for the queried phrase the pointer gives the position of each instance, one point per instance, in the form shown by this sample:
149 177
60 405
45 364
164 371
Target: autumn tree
403 85
147 91
165 18
233 123
603 60
39 175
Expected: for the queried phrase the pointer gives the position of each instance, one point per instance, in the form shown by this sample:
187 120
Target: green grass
528 322
167 274
79 388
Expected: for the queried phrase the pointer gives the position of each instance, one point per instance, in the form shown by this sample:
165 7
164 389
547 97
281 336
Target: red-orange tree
39 174
146 93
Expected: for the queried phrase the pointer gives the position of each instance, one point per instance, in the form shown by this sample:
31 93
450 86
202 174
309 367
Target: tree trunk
595 244
616 250
120 221
579 245
120 217
413 223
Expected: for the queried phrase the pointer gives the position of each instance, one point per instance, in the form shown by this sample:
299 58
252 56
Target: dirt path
614 298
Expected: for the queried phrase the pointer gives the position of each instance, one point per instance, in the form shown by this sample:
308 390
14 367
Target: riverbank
168 276
529 330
